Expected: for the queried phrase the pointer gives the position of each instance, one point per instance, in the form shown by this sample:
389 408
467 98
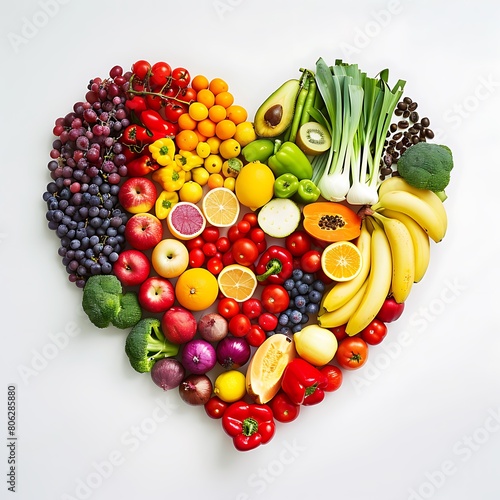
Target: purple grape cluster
86 168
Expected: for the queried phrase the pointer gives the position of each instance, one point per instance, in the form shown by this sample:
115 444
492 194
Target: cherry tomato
252 218
234 234
227 258
187 95
209 249
298 243
244 226
334 376
375 332
283 408
211 234
223 244
352 353
339 332
310 262
141 68
154 102
171 91
173 111
257 235
268 322
197 242
215 265
215 407
245 251
160 72
228 307
275 298
239 325
196 257
256 336
252 308
181 77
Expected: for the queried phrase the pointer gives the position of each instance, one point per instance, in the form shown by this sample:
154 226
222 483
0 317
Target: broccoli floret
145 344
104 302
426 166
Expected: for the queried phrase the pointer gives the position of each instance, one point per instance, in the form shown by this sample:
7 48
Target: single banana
417 209
378 283
341 315
343 292
403 256
420 239
399 184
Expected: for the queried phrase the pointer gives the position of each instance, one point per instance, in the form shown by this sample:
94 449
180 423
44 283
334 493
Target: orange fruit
200 82
229 183
217 113
201 137
186 140
198 111
237 114
206 127
206 97
225 129
185 122
237 282
224 99
215 181
196 289
220 207
341 261
214 143
218 85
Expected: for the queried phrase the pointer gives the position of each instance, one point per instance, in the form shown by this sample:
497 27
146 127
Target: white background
421 420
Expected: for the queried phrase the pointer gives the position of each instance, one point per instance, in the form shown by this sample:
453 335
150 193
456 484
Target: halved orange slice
237 282
341 261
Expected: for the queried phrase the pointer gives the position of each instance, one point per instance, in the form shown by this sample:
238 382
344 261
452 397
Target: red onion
198 356
196 389
213 327
168 373
233 352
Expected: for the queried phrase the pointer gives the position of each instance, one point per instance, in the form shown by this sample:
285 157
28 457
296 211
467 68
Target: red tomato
197 242
173 111
181 77
141 68
252 308
215 407
339 332
228 307
209 249
352 353
244 226
215 265
239 325
334 376
154 102
211 234
268 322
310 262
283 408
223 244
227 258
160 72
275 298
390 310
245 251
375 332
234 234
187 94
196 257
252 218
256 336
257 235
298 243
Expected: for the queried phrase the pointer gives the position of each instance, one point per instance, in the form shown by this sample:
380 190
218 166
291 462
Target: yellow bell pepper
163 151
188 160
164 203
169 178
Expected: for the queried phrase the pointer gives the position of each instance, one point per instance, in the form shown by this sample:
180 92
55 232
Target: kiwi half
313 138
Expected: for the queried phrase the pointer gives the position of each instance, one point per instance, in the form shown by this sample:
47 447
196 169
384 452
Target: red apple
156 294
170 258
143 231
137 194
179 325
132 267
390 310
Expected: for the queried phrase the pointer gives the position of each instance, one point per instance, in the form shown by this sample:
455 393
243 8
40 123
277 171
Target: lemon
191 191
254 185
230 386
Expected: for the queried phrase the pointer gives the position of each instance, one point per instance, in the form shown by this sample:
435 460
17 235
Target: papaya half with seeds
330 221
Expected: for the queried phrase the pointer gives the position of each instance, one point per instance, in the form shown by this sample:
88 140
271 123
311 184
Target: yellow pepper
163 151
164 203
188 160
169 178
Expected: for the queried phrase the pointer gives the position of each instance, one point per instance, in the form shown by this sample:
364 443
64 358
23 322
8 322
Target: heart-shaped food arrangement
250 261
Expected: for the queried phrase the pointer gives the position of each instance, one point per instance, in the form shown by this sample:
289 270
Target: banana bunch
395 248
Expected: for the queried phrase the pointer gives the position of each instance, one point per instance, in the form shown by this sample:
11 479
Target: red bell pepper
156 125
141 166
250 425
275 265
135 135
303 383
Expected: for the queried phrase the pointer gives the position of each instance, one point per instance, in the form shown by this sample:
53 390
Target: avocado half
275 114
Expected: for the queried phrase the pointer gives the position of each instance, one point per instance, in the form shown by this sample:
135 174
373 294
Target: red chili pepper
275 265
155 123
141 166
250 425
303 383
136 104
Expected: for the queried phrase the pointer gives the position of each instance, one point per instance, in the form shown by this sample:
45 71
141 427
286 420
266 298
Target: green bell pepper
307 192
289 158
285 186
258 150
